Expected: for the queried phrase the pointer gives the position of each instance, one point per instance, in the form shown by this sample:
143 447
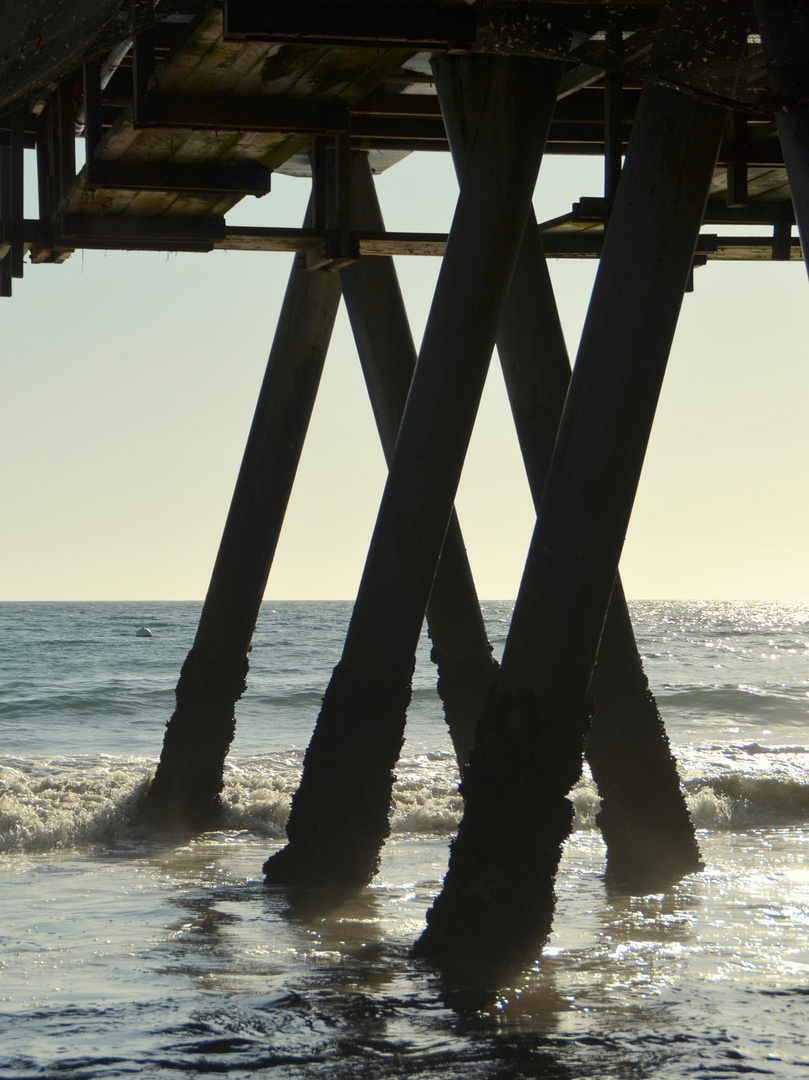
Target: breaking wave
48 804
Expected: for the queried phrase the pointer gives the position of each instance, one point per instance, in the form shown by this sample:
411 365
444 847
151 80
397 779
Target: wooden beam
614 135
425 106
244 178
17 193
124 229
781 241
396 25
539 29
738 191
130 233
5 220
143 68
211 112
62 112
784 31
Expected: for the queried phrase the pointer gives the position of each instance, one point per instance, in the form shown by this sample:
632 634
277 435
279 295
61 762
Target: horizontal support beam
244 238
717 212
399 144
542 29
29 138
246 178
425 106
418 26
78 229
219 113
398 127
211 234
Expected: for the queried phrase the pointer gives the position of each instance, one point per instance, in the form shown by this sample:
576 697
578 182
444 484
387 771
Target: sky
128 382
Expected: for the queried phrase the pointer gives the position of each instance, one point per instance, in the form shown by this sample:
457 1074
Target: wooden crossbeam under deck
212 234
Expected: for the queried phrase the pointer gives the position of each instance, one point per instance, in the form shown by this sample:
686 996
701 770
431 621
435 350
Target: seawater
129 955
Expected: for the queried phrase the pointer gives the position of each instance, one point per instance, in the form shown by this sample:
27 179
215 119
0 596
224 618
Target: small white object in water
143 632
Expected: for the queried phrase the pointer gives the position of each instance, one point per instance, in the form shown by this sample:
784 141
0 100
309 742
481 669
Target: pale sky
129 381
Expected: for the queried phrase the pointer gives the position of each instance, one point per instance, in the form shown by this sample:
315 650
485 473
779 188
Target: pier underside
700 111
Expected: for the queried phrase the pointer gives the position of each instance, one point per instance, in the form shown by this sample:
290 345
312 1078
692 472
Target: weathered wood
17 193
644 818
215 113
461 649
498 899
211 102
339 816
5 216
244 178
187 786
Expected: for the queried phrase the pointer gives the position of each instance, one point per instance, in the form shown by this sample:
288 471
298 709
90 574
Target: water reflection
335 990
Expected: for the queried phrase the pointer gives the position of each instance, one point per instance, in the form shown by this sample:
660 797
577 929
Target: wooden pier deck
186 118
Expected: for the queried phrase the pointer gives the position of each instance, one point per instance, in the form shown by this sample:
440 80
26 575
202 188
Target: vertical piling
187 785
461 649
498 898
339 816
784 28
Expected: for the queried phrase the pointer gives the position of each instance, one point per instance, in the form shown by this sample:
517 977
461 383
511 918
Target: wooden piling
373 298
187 786
498 899
644 818
339 816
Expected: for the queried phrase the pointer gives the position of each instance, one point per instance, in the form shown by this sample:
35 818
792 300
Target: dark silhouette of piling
186 789
644 818
339 816
498 896
373 298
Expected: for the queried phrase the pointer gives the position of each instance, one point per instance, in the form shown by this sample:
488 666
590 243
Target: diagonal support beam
644 818
498 899
188 783
376 309
339 816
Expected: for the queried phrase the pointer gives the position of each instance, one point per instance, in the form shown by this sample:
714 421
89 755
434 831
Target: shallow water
126 956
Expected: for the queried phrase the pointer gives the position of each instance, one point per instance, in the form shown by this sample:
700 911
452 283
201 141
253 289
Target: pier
700 111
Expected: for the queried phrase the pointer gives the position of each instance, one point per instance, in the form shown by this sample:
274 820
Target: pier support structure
498 898
339 816
373 298
187 785
644 818
784 29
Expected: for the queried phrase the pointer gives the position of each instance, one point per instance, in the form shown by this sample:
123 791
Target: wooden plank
82 227
215 113
181 63
229 69
17 192
242 179
5 220
425 106
350 74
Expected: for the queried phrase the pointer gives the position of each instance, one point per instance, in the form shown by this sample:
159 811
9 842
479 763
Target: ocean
129 955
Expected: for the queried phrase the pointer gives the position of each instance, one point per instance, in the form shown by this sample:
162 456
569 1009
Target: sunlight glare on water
128 956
